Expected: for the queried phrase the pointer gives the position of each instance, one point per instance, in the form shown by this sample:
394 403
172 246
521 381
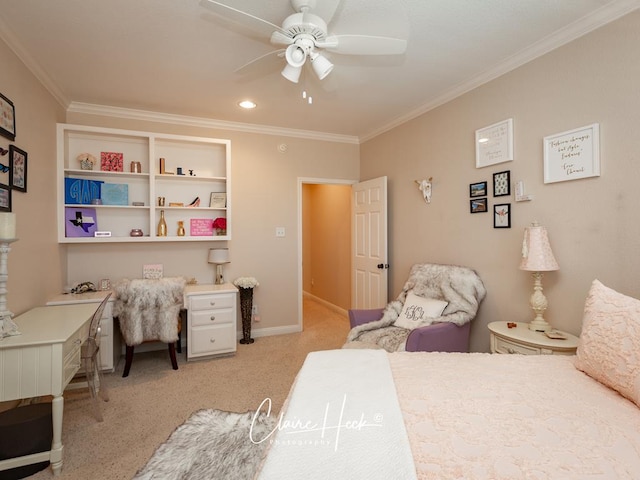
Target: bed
371 414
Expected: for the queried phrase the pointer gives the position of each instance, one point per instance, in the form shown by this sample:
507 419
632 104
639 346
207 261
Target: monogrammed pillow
609 348
419 311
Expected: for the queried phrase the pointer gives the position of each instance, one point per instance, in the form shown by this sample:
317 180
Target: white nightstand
520 339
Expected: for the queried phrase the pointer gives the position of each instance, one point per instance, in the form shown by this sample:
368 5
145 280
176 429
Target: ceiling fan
304 36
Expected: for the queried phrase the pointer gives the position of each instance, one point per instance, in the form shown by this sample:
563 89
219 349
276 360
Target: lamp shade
321 66
291 73
218 255
536 251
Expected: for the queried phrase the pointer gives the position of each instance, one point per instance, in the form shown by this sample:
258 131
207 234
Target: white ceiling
176 57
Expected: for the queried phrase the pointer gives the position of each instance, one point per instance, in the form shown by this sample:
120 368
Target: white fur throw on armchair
148 309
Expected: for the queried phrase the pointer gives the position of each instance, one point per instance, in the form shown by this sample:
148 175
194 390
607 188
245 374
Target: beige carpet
147 406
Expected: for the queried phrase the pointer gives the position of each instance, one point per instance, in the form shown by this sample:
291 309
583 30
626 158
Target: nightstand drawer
505 346
213 317
209 302
212 340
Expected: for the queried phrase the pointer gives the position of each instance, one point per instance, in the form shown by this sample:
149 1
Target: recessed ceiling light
248 104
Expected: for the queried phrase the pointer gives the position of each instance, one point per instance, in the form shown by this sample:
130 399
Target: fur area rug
211 444
148 309
460 286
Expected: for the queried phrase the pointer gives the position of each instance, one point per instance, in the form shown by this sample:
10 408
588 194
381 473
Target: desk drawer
209 302
213 317
212 340
505 346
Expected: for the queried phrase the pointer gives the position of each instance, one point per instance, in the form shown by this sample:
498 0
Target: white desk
42 361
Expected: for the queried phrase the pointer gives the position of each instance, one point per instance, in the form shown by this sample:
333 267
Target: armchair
448 331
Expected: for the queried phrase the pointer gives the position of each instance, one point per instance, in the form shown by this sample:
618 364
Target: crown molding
573 31
173 119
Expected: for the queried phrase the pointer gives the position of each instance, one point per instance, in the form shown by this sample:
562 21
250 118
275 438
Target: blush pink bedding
482 416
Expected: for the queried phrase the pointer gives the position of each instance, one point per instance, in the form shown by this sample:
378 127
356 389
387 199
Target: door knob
383 265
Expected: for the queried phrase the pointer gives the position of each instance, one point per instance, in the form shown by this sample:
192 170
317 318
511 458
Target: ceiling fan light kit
304 33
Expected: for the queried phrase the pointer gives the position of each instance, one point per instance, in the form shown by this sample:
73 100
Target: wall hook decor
425 188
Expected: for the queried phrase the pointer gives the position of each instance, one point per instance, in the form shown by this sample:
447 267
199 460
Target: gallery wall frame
502 183
502 215
5 198
478 205
572 155
7 118
18 169
494 144
478 189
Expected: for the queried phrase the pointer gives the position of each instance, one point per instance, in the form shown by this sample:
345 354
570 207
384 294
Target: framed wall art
478 205
5 198
478 189
18 166
502 183
494 144
572 155
502 215
7 118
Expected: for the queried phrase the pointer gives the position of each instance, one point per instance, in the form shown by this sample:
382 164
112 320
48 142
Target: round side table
520 339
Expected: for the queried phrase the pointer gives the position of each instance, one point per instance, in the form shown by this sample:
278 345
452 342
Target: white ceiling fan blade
260 25
244 68
363 45
279 38
326 9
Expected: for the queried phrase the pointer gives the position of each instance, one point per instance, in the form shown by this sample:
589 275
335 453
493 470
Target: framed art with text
494 144
572 155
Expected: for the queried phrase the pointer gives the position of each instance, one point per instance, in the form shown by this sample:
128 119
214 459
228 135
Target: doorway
324 250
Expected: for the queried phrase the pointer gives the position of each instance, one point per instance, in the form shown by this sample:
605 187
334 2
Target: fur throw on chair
148 309
461 287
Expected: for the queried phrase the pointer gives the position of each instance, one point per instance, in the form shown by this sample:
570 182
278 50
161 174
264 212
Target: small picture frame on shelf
502 183
478 205
18 165
478 189
111 161
218 200
5 198
502 215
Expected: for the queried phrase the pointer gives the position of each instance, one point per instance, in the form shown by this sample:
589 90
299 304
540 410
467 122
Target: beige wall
592 223
36 262
265 196
327 243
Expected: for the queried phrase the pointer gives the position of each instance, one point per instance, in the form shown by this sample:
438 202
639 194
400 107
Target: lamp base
219 274
539 325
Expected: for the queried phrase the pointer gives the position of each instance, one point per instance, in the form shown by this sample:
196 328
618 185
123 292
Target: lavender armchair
456 291
438 337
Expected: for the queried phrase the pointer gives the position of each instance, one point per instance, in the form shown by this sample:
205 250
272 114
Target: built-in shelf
205 161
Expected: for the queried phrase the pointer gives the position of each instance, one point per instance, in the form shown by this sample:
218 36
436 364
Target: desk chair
149 310
90 354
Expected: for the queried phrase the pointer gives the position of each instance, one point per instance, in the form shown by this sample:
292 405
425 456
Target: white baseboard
329 305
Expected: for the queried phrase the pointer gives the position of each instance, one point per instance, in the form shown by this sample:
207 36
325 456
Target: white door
370 264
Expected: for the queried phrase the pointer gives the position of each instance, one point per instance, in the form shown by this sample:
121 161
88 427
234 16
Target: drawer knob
212 303
212 340
77 341
511 350
213 317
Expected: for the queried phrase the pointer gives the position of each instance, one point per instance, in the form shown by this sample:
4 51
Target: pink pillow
609 347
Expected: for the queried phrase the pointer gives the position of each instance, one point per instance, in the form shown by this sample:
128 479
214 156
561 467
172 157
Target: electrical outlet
280 232
254 310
